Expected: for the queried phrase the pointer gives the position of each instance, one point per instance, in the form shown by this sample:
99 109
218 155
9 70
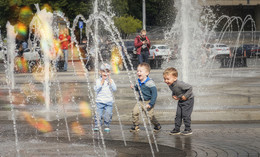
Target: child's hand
148 106
132 86
110 80
183 98
175 97
103 80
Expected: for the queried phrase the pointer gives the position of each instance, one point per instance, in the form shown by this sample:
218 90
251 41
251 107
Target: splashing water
10 78
43 27
41 23
196 27
187 32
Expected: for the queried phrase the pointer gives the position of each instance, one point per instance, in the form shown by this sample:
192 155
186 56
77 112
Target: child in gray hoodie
183 93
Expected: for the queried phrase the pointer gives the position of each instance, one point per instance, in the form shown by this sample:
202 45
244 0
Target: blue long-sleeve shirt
104 92
149 91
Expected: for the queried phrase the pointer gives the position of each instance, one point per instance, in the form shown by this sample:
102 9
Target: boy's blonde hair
171 71
145 65
143 31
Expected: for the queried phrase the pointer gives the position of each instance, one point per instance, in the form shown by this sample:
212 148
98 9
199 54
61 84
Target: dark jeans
143 57
65 54
184 110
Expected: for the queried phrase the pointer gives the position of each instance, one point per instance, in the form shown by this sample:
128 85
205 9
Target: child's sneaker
175 132
157 128
107 130
96 129
186 132
134 128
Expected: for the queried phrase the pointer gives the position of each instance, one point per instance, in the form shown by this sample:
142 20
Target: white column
144 16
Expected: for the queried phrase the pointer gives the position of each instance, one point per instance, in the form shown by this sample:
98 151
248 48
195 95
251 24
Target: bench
229 62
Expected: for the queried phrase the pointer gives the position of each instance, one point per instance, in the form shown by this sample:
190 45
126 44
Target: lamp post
144 16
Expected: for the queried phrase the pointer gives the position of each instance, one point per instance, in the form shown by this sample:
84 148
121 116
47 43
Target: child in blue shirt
104 97
149 93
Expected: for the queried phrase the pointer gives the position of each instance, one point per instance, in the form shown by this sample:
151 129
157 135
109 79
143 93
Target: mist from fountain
42 23
191 36
194 28
100 19
10 48
10 78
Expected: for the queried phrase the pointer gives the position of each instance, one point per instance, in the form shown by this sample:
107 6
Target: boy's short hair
171 71
145 65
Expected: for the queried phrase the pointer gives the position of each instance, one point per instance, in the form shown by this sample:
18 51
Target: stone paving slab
223 140
211 139
219 139
220 98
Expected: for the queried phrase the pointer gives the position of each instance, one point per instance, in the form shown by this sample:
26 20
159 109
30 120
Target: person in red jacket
65 42
142 44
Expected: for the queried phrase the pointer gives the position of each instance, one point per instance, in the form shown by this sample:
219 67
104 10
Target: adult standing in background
142 45
65 42
25 45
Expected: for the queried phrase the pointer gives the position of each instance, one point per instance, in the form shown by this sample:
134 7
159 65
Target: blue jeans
143 57
65 54
105 112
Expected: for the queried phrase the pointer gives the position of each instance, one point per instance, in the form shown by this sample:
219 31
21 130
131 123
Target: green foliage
127 25
120 7
31 2
15 2
129 12
4 8
135 8
4 3
10 10
76 8
158 12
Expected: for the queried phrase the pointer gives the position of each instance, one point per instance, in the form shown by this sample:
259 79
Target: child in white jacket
104 97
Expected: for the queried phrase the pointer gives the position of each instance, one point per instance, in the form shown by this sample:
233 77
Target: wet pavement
226 119
224 140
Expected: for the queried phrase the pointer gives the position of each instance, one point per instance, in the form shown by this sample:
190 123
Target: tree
135 8
10 10
158 12
127 25
4 13
120 7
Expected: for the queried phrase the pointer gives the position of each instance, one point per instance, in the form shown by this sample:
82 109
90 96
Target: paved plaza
226 119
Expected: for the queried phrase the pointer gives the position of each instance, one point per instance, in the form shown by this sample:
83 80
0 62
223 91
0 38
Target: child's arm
175 97
188 88
135 87
113 85
153 97
98 86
